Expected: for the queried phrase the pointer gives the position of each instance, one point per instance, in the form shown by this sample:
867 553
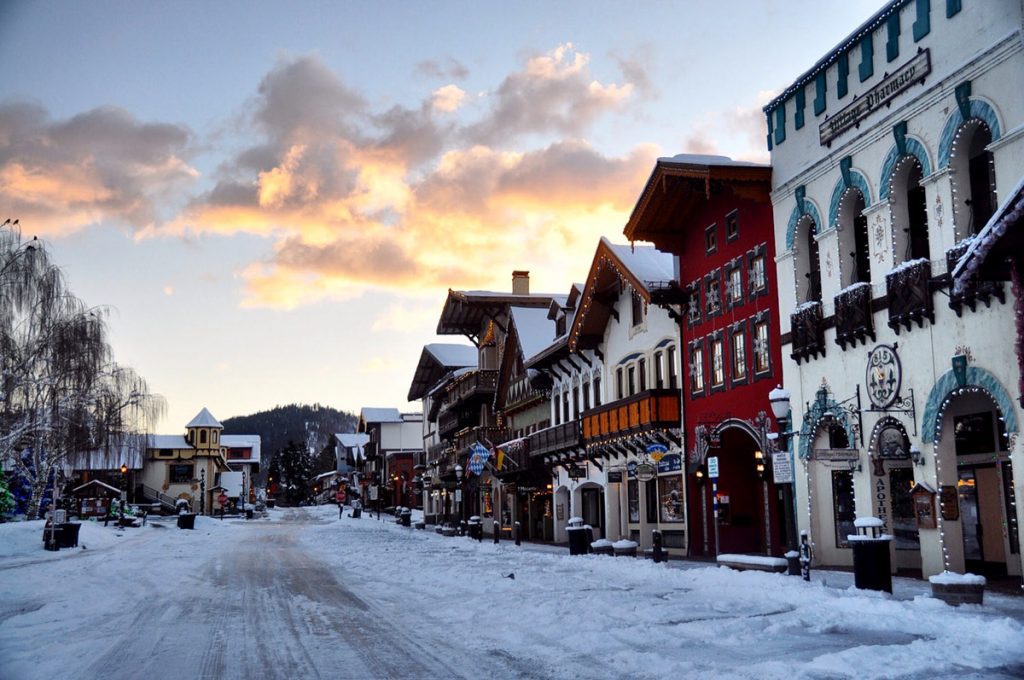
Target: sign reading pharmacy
880 95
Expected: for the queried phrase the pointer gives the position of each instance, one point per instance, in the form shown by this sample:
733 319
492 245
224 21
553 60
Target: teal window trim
800 104
820 88
780 123
892 45
923 25
953 8
770 129
867 58
843 64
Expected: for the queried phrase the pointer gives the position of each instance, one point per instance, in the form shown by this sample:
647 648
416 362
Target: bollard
657 553
515 529
805 556
497 531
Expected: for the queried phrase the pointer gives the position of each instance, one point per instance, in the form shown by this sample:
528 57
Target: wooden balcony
480 383
555 439
643 412
854 322
483 434
808 332
910 295
975 290
436 451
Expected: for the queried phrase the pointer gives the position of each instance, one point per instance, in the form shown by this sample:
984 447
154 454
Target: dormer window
202 436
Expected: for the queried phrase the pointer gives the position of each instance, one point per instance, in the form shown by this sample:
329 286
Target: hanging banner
478 455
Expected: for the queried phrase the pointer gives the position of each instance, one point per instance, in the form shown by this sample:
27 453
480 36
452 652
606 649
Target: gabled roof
613 266
352 440
242 441
680 184
533 328
465 310
436 361
380 415
204 419
98 483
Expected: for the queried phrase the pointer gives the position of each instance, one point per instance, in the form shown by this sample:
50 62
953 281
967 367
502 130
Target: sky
273 199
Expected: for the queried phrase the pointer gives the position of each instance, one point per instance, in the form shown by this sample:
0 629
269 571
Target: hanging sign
656 451
645 472
883 376
615 476
575 471
673 462
713 467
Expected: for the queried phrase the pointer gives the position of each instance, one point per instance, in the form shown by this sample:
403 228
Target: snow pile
753 560
949 578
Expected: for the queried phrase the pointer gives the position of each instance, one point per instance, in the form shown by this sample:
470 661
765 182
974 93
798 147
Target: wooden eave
604 284
675 191
464 311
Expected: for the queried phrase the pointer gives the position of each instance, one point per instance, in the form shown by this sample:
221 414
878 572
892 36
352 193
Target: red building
715 215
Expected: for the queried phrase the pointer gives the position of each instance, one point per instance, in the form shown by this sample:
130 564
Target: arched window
974 178
808 266
855 257
909 211
202 436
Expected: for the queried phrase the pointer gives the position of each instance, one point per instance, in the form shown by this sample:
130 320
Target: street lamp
458 476
202 491
779 400
759 463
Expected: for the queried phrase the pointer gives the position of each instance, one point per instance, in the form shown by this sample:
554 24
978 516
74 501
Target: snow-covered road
306 595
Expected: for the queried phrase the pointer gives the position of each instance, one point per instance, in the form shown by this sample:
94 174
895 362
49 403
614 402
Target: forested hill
304 424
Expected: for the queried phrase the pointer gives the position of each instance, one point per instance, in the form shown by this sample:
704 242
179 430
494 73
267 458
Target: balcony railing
974 290
910 295
639 413
436 451
564 437
481 383
808 332
854 321
483 434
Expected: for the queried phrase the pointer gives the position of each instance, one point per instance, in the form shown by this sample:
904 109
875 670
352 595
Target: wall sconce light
916 455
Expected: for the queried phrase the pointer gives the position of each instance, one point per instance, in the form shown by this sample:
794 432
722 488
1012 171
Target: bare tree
61 393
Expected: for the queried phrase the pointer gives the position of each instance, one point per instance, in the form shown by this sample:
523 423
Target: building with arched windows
888 157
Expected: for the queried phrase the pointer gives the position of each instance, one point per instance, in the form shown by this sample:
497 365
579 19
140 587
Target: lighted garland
971 124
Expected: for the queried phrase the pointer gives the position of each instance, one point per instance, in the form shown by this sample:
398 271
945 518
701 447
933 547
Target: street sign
222 498
713 467
373 493
340 496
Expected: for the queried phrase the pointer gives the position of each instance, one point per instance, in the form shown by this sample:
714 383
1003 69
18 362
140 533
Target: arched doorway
745 514
589 504
973 177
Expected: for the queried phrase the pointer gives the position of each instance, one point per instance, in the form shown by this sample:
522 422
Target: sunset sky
275 197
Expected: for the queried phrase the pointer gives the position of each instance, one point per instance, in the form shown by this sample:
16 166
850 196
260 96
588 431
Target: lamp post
459 499
202 491
779 399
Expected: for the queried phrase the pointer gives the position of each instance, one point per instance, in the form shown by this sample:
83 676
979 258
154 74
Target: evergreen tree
6 497
295 469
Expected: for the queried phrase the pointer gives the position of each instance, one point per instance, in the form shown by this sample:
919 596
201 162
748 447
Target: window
631 379
565 406
843 66
867 58
780 123
732 226
697 368
820 89
586 396
762 362
717 362
202 436
619 393
904 525
214 435
633 495
892 45
694 308
758 281
739 355
713 300
711 239
558 410
575 403
597 390
181 474
801 104
659 374
853 239
638 309
673 381
642 364
844 512
670 498
923 24
735 287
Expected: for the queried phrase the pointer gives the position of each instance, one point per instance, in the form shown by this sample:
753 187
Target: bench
778 565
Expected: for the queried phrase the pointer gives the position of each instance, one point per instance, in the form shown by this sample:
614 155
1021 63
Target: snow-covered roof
1007 215
204 419
646 263
104 459
534 328
351 440
453 356
97 482
322 475
241 441
380 415
168 441
706 159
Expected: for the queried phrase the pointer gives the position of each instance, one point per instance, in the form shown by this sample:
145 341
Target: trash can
53 536
187 520
248 513
67 534
579 540
405 519
792 563
271 502
475 528
872 566
356 513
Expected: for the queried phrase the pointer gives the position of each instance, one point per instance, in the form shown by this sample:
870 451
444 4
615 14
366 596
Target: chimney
520 283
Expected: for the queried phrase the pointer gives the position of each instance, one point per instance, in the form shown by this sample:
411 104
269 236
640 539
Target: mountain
309 425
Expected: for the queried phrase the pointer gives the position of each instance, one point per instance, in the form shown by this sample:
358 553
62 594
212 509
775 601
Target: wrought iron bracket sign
883 379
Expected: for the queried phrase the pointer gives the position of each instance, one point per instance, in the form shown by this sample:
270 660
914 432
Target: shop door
593 510
982 520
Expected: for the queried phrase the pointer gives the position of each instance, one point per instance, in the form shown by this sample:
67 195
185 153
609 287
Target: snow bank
754 560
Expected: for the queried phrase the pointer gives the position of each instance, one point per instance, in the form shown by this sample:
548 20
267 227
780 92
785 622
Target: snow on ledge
858 537
862 522
758 560
949 578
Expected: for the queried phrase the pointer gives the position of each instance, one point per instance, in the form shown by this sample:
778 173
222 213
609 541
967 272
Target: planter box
956 594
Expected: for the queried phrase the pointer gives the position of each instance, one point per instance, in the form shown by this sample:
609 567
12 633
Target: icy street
306 595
